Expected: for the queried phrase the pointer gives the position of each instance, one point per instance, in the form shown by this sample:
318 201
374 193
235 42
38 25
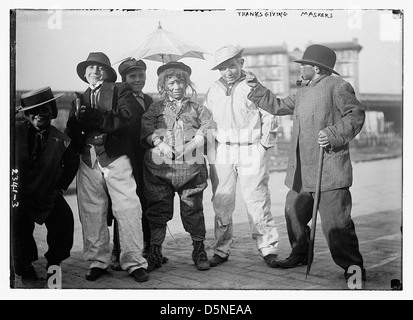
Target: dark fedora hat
37 98
174 65
320 56
100 59
130 64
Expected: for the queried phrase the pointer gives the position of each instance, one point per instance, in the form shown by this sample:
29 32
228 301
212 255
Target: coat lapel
106 96
84 97
141 109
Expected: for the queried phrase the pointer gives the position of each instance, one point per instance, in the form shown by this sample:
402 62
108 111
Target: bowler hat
100 59
225 53
130 64
38 97
174 65
320 56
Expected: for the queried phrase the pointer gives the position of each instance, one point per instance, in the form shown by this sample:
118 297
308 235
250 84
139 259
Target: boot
217 260
146 249
199 256
292 261
154 257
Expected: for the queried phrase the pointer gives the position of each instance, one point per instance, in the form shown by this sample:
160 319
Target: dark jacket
116 112
138 149
42 179
329 104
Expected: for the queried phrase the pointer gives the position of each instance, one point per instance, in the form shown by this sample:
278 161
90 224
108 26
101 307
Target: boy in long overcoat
326 113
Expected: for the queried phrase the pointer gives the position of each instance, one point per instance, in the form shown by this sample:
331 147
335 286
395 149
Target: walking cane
315 209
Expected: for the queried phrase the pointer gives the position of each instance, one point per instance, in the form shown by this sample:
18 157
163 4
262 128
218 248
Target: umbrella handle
315 209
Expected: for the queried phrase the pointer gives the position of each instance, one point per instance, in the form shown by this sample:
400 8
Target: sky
50 43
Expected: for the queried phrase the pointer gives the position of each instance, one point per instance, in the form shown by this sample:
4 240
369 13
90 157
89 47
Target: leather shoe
217 260
95 273
140 275
271 260
292 261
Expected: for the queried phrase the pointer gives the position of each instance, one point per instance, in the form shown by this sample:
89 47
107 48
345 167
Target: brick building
275 68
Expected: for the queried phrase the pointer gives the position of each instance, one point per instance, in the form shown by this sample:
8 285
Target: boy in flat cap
243 136
134 73
173 129
100 126
46 163
326 114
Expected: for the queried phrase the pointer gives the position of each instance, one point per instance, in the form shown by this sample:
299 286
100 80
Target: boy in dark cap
173 129
100 126
134 73
326 113
45 165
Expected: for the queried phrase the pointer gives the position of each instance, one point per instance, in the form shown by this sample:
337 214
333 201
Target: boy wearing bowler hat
46 163
326 113
243 136
100 126
174 131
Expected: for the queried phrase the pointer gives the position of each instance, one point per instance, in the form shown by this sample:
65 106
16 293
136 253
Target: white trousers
249 163
97 188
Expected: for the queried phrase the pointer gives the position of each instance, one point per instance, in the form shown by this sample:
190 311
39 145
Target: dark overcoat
42 180
116 113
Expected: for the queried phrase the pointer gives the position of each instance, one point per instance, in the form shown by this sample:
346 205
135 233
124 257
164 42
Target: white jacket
236 118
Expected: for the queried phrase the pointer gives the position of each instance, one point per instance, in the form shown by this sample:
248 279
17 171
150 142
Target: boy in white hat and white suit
243 136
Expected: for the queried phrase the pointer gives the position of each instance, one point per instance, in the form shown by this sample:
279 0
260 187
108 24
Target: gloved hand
80 110
166 150
323 140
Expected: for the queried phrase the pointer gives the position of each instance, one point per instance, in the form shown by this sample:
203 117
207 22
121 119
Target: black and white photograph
202 151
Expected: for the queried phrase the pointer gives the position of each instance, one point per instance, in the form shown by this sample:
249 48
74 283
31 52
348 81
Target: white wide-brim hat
225 53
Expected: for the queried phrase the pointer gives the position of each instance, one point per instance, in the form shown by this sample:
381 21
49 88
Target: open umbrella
164 46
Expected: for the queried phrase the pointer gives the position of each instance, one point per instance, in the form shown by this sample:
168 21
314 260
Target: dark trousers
60 228
337 225
160 188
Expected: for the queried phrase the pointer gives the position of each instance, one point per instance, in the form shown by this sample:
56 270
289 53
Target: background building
275 68
271 66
